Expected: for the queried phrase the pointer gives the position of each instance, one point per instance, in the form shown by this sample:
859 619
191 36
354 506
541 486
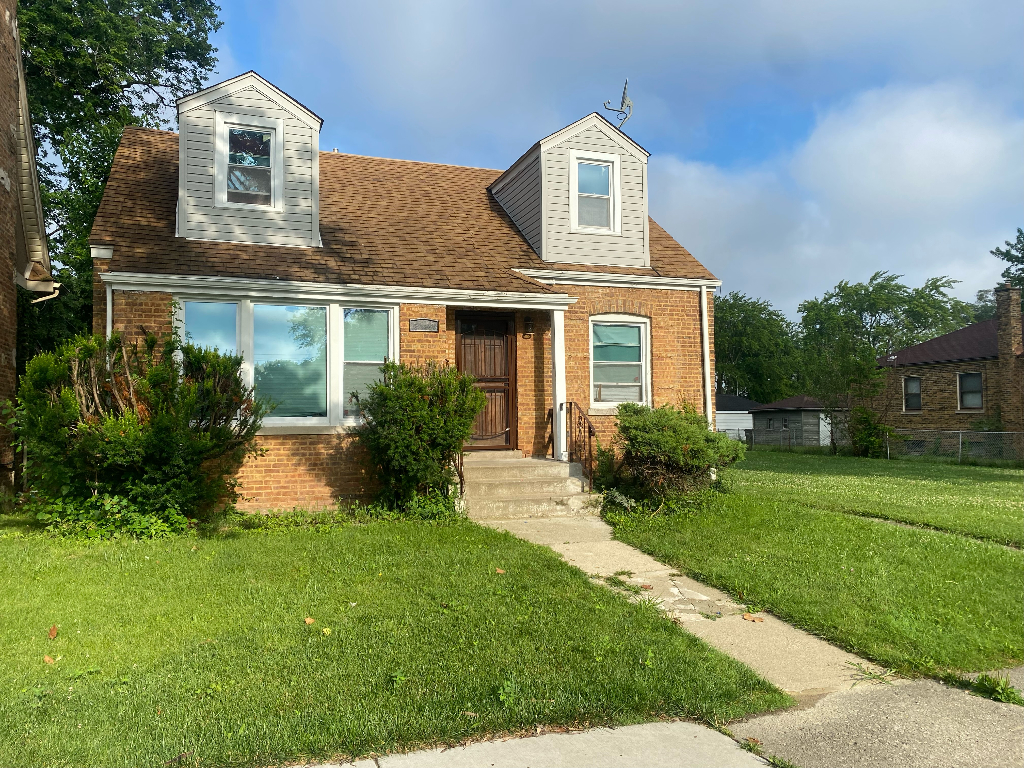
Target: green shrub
868 434
416 420
667 451
104 517
113 433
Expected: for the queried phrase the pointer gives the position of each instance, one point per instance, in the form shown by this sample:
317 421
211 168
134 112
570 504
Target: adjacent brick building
970 379
24 259
548 281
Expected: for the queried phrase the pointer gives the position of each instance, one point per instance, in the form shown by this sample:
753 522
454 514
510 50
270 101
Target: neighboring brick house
970 379
25 259
548 281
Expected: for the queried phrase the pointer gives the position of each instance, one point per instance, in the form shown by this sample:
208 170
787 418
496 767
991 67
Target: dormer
249 169
580 196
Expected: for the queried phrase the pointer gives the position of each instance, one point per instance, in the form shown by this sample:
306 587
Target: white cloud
919 181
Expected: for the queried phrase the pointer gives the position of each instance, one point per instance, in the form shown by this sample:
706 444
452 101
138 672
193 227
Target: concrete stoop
502 485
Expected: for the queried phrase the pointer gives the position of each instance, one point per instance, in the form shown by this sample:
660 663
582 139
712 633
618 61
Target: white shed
732 415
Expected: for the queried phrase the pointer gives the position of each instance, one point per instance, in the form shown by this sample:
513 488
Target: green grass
199 647
984 502
916 600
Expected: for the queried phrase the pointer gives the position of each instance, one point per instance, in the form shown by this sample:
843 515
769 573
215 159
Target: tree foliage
1013 255
93 67
755 349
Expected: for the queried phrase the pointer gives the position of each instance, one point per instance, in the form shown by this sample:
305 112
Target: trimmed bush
114 433
416 420
667 451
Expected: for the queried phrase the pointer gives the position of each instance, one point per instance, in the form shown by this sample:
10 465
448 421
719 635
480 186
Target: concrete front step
515 487
471 457
520 470
559 505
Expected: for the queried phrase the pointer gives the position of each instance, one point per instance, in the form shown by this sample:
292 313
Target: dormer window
249 166
594 192
250 162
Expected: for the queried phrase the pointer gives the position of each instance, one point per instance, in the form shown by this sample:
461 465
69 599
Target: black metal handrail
580 433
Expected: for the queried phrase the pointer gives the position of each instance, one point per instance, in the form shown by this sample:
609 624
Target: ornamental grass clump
123 439
415 422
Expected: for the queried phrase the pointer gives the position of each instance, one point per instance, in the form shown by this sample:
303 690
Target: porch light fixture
527 327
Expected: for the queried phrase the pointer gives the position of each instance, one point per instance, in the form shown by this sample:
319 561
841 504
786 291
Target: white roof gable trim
251 81
594 120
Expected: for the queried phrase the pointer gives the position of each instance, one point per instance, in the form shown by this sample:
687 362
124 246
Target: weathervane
625 110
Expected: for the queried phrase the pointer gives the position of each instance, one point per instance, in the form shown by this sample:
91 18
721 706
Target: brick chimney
1011 364
1011 342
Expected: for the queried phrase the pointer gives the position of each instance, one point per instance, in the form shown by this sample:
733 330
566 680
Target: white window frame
959 400
245 326
579 156
226 120
645 355
903 388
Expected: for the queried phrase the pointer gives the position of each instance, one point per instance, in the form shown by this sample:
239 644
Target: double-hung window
912 393
310 362
620 368
594 192
969 391
249 169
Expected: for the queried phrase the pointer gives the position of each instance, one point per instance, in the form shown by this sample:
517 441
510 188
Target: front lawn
196 651
917 600
984 502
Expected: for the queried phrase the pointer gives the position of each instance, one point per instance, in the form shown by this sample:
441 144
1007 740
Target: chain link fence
958 446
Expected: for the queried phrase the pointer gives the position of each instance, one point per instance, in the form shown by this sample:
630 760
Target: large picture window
290 359
366 347
619 361
213 325
912 393
970 392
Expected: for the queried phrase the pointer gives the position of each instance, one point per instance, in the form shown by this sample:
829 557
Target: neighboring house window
970 391
620 371
594 189
912 393
290 359
212 325
250 169
785 423
771 423
366 348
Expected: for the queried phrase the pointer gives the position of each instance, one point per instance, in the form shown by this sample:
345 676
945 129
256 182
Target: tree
984 305
1013 254
93 67
755 349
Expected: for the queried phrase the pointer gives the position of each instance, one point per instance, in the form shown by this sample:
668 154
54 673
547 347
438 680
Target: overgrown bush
668 451
868 435
115 434
416 420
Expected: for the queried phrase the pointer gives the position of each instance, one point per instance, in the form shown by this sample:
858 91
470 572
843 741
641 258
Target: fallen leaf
53 632
499 570
646 586
752 617
469 714
47 659
309 620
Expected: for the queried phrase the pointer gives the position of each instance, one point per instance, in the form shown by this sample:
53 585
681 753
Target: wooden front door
485 347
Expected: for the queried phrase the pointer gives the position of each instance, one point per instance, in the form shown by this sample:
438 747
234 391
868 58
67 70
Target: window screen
970 391
366 347
249 166
618 363
594 202
211 325
290 358
912 393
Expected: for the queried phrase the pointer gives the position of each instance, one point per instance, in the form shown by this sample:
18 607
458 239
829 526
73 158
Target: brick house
547 281
970 379
22 231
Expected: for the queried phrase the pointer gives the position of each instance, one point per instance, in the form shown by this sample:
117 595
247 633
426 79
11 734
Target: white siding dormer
248 165
580 196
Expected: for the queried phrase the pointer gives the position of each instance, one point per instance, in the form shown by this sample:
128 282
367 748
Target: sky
793 145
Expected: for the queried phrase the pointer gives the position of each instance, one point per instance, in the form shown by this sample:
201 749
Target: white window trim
645 356
959 400
335 421
577 156
225 120
903 388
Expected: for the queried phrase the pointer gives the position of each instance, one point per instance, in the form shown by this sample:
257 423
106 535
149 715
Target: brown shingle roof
979 341
797 402
383 222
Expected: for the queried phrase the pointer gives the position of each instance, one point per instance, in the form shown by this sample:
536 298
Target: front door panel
485 348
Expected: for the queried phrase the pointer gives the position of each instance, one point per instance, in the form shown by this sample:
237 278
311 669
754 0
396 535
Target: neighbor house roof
979 341
795 403
734 403
382 222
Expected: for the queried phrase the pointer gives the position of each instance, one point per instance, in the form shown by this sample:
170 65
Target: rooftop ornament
625 110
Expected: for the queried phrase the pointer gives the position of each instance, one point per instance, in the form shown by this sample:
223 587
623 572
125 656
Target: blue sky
793 144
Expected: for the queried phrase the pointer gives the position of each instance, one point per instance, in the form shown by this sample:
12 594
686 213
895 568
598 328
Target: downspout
56 290
705 344
110 310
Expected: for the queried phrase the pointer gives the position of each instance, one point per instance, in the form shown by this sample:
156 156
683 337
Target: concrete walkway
844 718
